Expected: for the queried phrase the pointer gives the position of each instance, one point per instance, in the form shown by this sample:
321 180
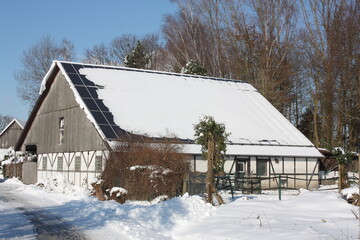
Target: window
60 163
261 167
44 163
61 129
77 163
241 166
98 164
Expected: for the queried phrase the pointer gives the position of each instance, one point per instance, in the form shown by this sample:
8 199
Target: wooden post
340 177
359 187
280 187
210 173
185 187
359 176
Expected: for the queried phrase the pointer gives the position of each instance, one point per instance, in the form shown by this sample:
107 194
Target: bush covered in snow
9 156
146 170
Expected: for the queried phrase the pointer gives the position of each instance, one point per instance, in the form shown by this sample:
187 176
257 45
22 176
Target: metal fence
253 184
197 183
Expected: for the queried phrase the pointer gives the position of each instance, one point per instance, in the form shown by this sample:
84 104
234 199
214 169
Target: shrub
146 170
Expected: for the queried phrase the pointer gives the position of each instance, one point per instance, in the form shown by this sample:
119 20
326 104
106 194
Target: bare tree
333 58
4 121
297 65
251 40
261 35
99 54
120 47
155 52
36 61
187 37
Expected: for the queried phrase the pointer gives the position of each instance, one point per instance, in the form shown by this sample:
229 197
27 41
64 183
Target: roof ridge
10 123
156 72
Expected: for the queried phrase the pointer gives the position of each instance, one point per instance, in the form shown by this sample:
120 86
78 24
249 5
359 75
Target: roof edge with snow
14 120
244 148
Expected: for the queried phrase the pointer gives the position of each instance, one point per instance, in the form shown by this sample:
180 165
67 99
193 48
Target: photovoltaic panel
93 92
88 92
90 103
76 80
83 92
109 117
101 105
120 132
77 67
68 68
108 131
99 117
86 81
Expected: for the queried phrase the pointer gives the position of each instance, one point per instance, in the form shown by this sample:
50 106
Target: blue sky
84 22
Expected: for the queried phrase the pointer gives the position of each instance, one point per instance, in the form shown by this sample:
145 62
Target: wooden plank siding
10 136
79 133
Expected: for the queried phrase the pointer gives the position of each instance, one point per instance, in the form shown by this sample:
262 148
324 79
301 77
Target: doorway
242 172
242 166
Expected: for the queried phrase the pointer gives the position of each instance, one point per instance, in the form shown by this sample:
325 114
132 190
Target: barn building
11 133
84 109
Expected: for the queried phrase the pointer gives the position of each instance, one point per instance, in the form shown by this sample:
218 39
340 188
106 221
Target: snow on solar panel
88 92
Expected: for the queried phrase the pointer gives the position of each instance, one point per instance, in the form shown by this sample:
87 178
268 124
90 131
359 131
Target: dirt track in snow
45 225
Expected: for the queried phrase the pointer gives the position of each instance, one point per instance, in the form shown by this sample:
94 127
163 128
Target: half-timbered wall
296 172
79 134
10 136
78 167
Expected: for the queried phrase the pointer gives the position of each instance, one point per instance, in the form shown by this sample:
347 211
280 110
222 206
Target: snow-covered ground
300 215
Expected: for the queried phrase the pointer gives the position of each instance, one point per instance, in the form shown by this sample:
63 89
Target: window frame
61 130
98 164
264 161
44 162
77 163
60 164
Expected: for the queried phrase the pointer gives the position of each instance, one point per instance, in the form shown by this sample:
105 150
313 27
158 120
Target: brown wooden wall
79 133
10 136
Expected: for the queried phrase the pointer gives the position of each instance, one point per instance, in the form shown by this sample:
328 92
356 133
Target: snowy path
20 219
31 212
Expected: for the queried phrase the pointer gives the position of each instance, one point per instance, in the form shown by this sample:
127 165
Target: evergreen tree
212 137
137 58
194 67
344 159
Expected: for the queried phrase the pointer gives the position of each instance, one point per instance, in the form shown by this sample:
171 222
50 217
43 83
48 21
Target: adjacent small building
84 109
11 133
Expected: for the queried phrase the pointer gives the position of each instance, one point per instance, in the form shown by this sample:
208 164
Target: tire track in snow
46 225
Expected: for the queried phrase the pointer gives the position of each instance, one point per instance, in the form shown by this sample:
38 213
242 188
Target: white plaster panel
300 165
289 165
277 165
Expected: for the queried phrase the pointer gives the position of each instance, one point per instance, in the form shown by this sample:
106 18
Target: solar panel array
88 92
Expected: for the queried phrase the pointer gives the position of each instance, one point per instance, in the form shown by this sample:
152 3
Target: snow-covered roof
262 150
122 100
20 123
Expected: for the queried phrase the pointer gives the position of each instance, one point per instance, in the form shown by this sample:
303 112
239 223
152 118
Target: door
242 166
242 171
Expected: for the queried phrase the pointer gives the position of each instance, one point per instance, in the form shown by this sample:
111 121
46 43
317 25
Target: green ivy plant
206 128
